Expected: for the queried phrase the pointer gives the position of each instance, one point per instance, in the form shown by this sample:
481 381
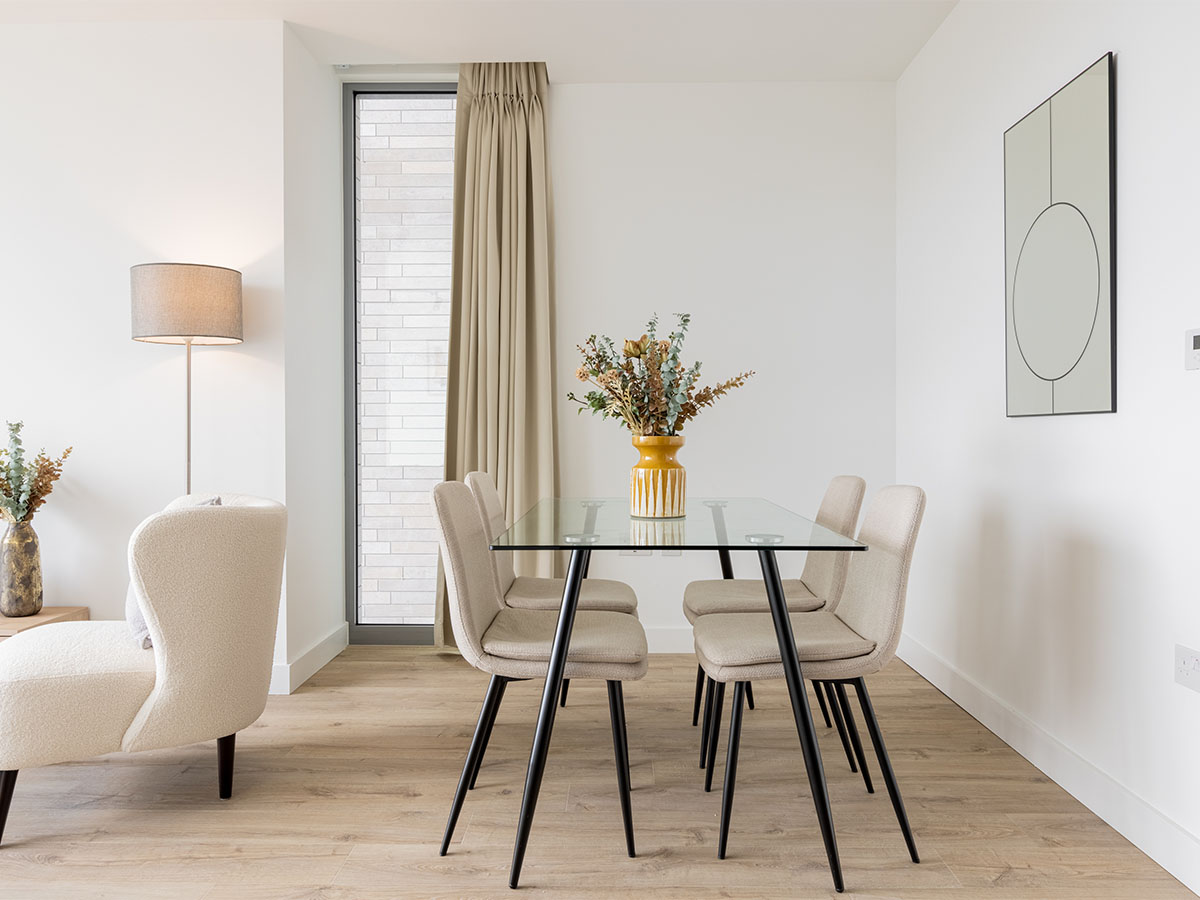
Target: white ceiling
580 40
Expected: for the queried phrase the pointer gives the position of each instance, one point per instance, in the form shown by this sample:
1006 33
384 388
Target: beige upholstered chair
818 587
525 592
842 646
513 644
528 592
207 580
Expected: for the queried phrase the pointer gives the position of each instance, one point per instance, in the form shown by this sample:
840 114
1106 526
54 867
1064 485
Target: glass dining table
724 525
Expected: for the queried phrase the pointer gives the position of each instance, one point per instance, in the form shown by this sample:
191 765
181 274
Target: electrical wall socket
631 551
1187 667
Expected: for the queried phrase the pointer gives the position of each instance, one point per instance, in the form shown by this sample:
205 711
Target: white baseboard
1159 837
286 677
670 638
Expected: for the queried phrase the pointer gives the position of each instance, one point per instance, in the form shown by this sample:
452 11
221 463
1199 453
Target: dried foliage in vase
25 485
645 385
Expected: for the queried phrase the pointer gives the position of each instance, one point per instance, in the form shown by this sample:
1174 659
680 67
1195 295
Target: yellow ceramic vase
657 484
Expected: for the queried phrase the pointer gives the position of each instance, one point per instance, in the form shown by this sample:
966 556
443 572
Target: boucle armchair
207 580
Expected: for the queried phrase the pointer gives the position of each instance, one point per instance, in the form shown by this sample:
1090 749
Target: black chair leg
821 703
8 781
699 696
487 733
750 695
718 688
731 758
225 748
616 709
562 700
708 705
885 765
852 728
841 725
491 702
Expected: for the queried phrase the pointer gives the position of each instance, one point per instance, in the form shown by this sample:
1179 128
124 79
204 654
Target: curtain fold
500 388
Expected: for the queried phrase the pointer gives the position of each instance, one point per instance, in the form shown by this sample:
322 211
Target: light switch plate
1187 667
1191 349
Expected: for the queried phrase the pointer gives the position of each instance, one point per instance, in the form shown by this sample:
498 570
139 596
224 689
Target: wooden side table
49 614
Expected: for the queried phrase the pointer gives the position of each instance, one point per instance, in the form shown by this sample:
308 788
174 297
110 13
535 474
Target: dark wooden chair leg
718 702
225 748
731 758
750 695
487 733
616 709
491 702
708 705
852 729
841 725
821 703
885 765
562 700
699 696
8 781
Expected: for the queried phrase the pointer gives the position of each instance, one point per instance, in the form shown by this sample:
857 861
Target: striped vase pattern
657 483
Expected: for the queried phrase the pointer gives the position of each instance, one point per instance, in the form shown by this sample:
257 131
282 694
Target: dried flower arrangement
24 486
645 385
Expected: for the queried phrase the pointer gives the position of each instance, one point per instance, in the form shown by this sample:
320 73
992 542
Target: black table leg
800 710
545 722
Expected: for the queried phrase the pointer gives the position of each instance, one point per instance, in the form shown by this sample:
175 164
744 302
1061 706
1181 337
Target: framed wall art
1060 251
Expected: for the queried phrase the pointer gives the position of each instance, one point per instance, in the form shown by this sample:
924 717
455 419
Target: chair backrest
873 601
491 511
471 585
207 579
825 573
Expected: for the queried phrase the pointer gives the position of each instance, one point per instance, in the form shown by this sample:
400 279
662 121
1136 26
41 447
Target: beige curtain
500 393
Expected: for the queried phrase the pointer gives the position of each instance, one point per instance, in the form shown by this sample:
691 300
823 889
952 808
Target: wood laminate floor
342 790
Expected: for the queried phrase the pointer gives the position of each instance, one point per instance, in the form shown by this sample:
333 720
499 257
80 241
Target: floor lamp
181 303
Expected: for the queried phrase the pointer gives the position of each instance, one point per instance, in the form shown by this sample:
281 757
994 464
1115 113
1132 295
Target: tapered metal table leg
800 710
550 695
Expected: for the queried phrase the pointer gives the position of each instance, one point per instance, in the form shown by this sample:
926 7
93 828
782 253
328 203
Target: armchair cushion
69 691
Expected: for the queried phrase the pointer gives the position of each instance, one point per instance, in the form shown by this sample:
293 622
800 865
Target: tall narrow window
403 181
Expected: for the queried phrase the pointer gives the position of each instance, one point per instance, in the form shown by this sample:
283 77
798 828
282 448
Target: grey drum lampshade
181 303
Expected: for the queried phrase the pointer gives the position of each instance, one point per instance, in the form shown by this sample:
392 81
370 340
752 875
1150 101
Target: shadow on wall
1032 588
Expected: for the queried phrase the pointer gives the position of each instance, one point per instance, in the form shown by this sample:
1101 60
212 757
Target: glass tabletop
744 523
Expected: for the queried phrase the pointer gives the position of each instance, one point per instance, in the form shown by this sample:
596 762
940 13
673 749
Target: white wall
312 159
125 144
1055 571
765 210
139 142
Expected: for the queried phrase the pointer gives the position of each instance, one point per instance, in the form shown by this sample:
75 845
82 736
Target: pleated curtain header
513 81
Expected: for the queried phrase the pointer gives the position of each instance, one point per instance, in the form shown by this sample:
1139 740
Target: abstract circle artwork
1060 251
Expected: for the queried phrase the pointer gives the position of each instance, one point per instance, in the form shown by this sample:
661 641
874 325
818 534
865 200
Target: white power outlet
633 551
1187 667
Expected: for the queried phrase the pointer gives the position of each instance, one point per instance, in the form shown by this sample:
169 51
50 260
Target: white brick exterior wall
404 167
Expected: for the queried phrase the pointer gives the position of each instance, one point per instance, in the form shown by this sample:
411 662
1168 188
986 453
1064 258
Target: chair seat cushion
743 595
595 593
748 639
69 691
598 637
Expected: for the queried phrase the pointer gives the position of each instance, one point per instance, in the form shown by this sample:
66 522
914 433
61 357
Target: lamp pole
188 343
